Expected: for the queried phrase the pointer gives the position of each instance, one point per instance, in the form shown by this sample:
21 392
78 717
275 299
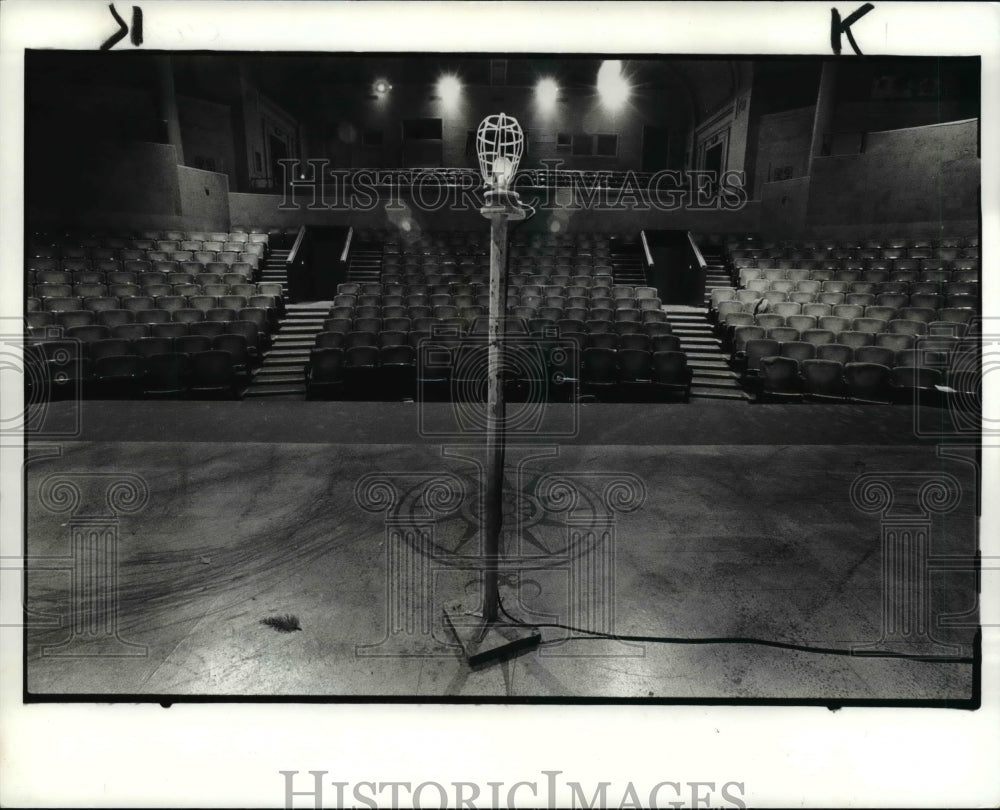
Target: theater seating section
182 314
880 319
421 329
155 314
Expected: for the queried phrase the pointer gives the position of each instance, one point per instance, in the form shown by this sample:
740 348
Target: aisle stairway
627 266
282 374
273 268
716 273
713 379
365 263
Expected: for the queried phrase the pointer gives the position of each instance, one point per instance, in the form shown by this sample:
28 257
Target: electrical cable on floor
783 645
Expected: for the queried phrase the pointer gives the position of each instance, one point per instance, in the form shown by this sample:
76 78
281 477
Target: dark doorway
713 164
655 148
278 151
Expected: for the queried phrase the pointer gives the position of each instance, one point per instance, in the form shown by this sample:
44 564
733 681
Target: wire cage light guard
499 145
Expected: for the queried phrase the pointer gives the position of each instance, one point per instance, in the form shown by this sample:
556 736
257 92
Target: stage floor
698 521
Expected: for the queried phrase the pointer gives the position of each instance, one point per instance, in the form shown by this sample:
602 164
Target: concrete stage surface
161 535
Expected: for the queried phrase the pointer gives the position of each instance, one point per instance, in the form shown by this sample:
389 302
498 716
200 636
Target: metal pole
495 414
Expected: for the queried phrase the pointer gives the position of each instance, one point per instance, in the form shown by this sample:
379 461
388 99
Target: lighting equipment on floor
499 144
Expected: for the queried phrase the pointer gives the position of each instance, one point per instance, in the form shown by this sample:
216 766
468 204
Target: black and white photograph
437 368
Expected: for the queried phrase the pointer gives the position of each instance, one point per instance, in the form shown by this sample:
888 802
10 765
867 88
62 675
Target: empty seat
665 343
907 327
855 339
169 330
208 327
118 375
822 378
88 334
166 375
72 318
635 373
797 350
849 311
816 310
360 364
915 384
881 355
742 334
396 370
783 334
757 349
191 344
51 290
599 374
817 337
187 315
835 351
881 313
867 381
871 325
219 314
956 314
236 346
779 377
801 322
213 374
859 299
202 302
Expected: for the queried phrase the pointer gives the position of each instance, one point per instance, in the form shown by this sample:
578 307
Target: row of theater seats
206 297
154 296
157 313
850 317
94 341
870 319
562 276
455 370
589 265
143 273
794 282
165 309
347 336
843 258
924 376
852 338
755 242
195 366
388 307
138 262
70 244
930 352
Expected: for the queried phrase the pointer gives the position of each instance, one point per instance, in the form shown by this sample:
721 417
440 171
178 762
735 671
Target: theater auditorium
736 314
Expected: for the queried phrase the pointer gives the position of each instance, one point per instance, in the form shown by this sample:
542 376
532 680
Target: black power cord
783 645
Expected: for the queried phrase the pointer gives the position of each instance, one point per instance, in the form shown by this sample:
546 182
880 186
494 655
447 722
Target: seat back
760 348
867 380
822 377
837 352
875 354
779 373
797 350
599 366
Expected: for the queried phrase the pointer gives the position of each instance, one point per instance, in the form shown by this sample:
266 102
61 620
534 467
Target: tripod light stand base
487 642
